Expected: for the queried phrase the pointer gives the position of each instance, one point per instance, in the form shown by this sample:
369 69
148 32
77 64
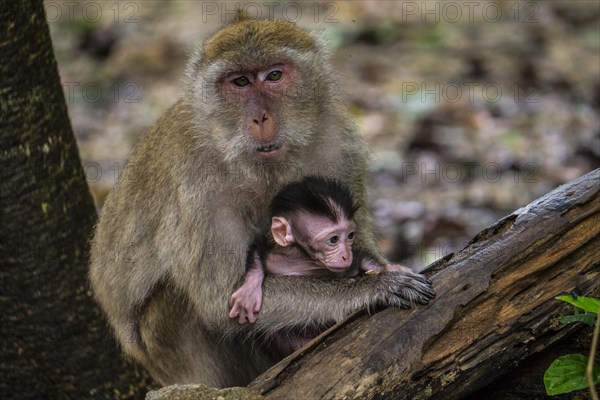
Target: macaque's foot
244 303
406 288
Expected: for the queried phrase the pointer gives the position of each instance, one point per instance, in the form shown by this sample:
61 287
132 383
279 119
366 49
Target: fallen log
495 306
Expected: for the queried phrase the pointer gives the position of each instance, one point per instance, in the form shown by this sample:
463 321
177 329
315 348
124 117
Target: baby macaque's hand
244 302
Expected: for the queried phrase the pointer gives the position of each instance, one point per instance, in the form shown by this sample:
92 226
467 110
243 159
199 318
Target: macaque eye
333 240
274 75
351 236
241 81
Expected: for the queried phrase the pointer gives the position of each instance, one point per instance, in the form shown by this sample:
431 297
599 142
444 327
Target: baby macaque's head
316 215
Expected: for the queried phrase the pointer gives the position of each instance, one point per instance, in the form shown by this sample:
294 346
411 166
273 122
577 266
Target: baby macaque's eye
351 236
333 240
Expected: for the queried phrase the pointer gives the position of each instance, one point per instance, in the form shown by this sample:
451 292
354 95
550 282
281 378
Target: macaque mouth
334 268
270 147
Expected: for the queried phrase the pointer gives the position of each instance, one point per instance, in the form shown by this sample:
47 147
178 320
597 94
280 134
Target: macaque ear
282 231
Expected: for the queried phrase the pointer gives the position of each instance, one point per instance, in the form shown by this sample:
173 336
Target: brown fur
244 34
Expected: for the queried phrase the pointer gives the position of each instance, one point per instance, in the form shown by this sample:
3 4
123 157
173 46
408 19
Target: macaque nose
346 257
261 120
262 125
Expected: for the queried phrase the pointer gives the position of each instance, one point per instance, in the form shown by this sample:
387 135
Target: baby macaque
312 231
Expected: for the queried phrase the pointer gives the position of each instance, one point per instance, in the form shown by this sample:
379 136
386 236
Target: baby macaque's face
325 241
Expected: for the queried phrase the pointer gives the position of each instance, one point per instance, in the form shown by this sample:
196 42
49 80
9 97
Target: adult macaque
171 244
312 231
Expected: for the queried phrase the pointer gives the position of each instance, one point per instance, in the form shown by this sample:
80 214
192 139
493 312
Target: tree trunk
54 340
494 307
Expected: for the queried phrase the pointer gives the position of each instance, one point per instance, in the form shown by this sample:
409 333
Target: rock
202 392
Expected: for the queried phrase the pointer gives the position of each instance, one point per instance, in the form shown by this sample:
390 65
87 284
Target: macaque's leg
247 300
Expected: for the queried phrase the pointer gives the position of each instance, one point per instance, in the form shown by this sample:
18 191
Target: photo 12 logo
466 11
93 92
291 11
91 11
453 92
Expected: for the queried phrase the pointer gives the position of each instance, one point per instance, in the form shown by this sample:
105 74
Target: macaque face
254 93
325 241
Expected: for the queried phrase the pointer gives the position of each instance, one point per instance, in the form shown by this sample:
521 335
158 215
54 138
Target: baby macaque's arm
247 300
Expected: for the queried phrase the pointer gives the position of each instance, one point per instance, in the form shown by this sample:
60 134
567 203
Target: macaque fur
312 232
260 110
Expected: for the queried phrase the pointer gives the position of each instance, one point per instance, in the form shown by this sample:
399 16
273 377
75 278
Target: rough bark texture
54 340
495 306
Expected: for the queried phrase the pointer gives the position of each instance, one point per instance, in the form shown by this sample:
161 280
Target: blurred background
471 109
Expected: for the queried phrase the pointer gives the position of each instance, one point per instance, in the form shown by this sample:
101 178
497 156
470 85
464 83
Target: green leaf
587 318
567 373
585 303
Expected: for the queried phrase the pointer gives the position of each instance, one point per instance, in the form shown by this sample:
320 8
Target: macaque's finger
251 317
258 305
242 317
235 311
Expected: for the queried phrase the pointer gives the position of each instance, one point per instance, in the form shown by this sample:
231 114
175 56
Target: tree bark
54 340
495 306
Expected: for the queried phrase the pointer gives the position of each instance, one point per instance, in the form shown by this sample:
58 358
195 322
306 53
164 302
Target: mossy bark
55 342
